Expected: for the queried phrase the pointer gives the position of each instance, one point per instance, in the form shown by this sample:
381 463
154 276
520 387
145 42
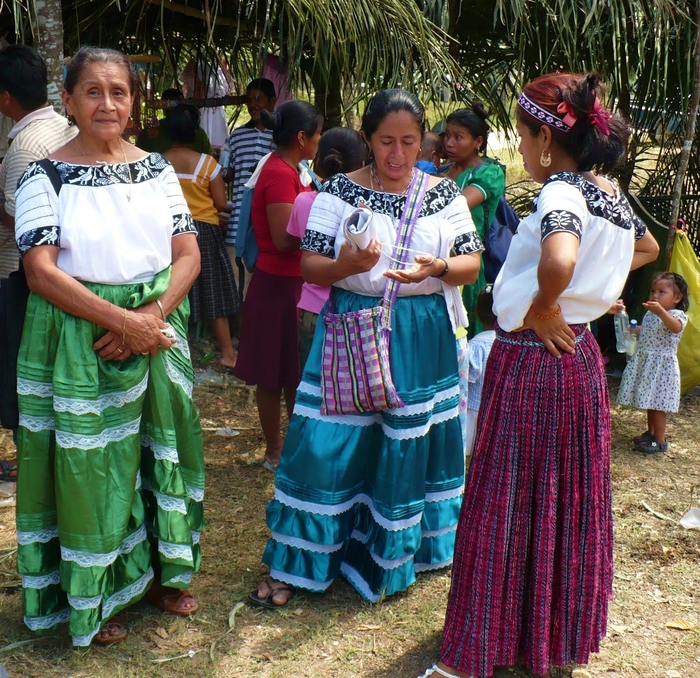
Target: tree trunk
47 27
328 97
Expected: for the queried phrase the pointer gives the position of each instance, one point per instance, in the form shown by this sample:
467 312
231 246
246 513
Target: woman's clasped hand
142 335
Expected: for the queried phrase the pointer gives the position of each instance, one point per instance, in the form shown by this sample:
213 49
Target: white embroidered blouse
113 224
606 228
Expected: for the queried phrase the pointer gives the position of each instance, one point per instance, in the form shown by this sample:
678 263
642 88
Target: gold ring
146 353
121 350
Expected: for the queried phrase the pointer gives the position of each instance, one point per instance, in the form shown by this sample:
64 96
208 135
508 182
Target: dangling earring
545 160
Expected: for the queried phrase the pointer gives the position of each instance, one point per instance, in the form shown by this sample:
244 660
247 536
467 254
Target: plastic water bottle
622 325
632 338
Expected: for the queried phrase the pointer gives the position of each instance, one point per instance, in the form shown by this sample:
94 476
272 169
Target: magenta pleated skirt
268 350
533 564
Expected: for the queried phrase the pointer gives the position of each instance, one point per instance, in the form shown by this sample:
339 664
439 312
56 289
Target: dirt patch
657 580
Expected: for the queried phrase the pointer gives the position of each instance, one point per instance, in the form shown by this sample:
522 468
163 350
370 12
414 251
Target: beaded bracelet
162 310
546 317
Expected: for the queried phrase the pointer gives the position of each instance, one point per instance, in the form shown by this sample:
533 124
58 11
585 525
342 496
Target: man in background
245 147
37 132
157 139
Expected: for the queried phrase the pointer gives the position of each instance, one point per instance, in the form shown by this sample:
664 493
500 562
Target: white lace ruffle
161 452
79 406
41 581
195 493
175 551
127 594
83 603
36 424
182 578
43 623
168 503
177 377
41 536
355 578
196 536
109 435
372 419
84 641
86 559
337 509
182 345
137 486
41 389
405 411
306 545
428 534
443 496
300 582
425 567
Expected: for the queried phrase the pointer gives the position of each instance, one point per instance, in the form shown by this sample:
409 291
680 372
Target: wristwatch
445 271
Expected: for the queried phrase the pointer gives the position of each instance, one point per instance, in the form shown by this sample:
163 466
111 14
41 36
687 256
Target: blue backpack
501 231
246 246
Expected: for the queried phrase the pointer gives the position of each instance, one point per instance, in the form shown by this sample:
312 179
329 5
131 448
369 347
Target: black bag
14 294
500 233
13 305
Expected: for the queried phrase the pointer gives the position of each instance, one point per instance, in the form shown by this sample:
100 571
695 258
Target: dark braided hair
679 285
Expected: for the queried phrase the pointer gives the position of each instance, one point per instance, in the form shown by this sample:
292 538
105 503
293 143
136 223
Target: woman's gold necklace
101 162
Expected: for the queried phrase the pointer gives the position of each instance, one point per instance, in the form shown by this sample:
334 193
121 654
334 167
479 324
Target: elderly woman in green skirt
111 473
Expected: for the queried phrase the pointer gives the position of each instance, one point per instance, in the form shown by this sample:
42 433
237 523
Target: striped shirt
35 136
246 146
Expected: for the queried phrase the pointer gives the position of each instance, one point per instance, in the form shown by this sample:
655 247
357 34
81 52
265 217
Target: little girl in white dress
652 379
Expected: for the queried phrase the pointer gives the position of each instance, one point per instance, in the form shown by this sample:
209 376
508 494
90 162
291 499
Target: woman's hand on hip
425 266
553 331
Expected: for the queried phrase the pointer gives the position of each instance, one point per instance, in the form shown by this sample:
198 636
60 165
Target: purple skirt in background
268 349
533 564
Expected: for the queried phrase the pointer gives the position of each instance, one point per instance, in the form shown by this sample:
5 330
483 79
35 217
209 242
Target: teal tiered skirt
111 470
374 497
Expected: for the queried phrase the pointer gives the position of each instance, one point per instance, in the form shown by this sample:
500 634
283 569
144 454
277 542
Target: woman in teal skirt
374 497
111 473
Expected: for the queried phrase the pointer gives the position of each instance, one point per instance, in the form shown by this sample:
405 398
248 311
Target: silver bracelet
160 306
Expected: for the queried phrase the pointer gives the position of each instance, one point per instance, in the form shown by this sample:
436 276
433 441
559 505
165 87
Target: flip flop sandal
8 471
267 601
111 639
268 465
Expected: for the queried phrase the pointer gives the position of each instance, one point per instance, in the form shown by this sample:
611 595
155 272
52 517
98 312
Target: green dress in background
490 179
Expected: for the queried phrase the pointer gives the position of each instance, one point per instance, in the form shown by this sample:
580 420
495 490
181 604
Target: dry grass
338 635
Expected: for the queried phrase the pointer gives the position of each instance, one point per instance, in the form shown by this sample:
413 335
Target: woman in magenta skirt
268 352
533 566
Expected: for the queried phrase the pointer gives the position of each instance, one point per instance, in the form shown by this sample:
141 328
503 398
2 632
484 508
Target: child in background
340 150
479 349
430 153
652 379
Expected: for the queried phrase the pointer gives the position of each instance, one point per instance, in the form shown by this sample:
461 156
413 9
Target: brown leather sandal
169 599
115 630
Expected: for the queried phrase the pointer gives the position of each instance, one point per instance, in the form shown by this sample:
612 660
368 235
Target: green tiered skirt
111 468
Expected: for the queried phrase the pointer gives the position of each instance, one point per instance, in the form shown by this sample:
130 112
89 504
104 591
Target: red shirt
278 182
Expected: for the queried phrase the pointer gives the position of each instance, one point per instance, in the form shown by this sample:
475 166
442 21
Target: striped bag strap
414 202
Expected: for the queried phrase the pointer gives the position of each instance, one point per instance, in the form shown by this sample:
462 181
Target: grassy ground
656 582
